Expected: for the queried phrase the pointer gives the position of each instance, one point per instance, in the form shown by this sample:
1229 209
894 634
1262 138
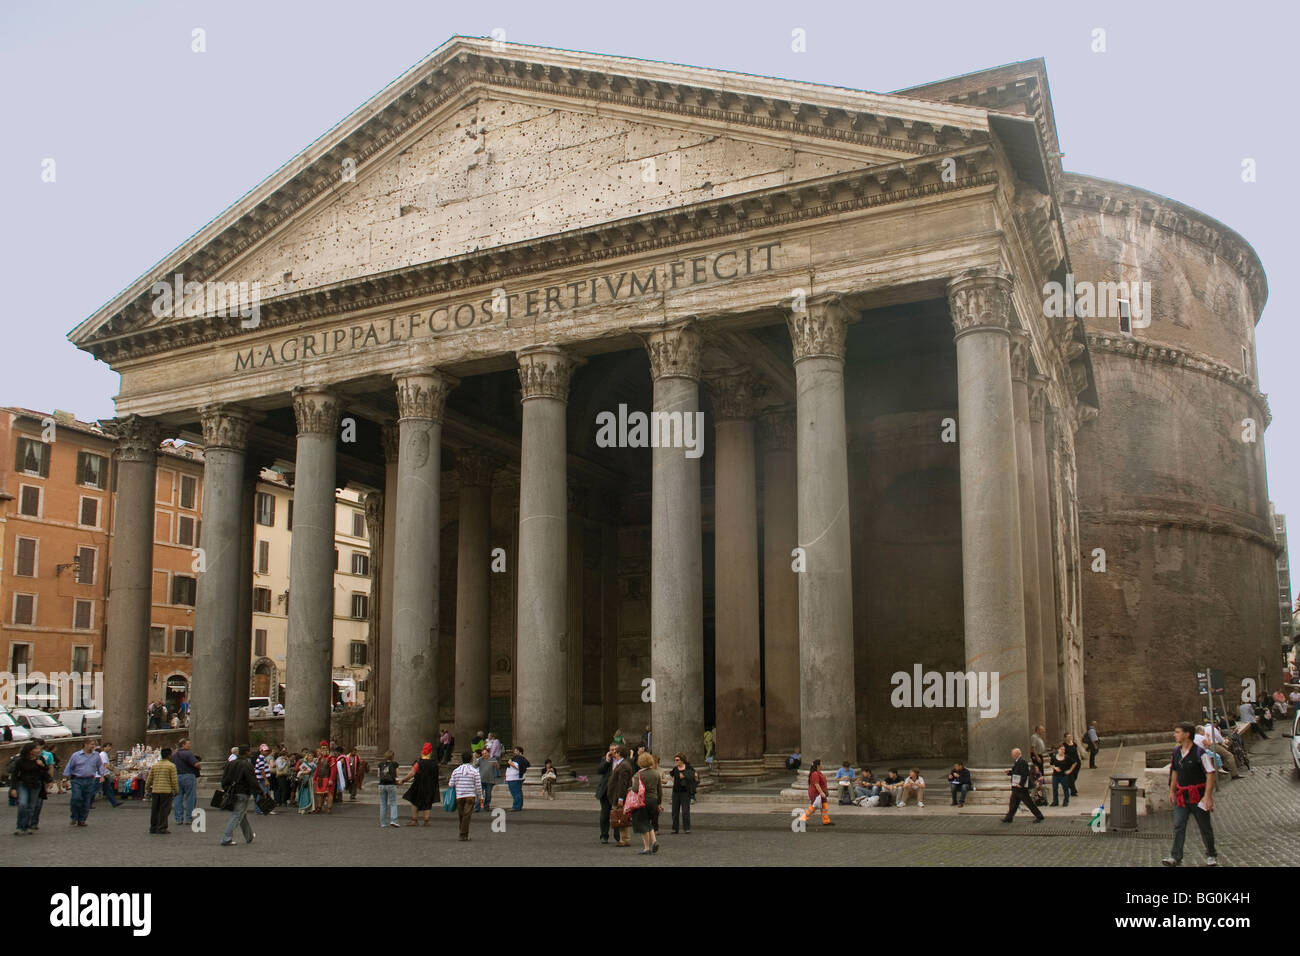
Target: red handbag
635 798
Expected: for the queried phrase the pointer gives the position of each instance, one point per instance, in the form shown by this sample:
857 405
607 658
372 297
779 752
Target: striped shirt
260 766
467 782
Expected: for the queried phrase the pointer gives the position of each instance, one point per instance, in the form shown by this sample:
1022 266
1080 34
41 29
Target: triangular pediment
484 145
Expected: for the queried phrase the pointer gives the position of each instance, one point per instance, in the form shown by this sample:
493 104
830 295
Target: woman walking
27 780
643 817
1072 751
685 780
1061 769
423 794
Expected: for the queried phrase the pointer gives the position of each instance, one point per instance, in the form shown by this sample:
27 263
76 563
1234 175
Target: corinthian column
827 696
413 708
1043 554
217 611
992 582
130 597
1020 356
473 647
309 648
388 561
542 613
780 584
738 675
676 579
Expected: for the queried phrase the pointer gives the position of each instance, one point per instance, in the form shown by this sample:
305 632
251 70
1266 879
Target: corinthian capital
392 436
316 410
474 468
981 298
137 438
1038 397
820 328
545 371
423 393
674 350
1020 355
734 393
776 429
224 426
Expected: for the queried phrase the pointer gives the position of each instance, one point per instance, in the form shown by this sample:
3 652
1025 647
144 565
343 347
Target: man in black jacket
602 783
240 783
1019 774
620 779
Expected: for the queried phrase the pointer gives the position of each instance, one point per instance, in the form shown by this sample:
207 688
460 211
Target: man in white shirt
912 783
108 782
467 783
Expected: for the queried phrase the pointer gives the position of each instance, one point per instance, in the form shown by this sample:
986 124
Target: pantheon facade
873 451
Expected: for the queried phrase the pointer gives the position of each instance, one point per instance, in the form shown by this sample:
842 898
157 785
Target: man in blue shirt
85 771
187 772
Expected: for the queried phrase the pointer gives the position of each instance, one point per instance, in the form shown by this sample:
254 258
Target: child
548 780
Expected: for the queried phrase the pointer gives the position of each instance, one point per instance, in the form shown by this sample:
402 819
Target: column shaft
676 552
130 600
473 557
1028 529
413 708
1046 577
383 679
310 642
992 582
240 688
780 585
827 696
541 619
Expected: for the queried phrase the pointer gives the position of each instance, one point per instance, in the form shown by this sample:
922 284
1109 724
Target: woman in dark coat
423 794
1072 755
27 779
643 818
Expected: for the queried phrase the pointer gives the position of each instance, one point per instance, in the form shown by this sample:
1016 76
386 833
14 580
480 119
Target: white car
10 729
259 707
82 723
1295 741
42 725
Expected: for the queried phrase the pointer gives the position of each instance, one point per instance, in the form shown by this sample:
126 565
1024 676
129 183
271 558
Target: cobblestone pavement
1254 824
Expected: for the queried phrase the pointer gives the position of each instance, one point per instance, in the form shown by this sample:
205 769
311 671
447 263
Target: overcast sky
151 141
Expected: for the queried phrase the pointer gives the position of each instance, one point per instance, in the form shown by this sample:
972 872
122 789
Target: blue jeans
106 787
29 807
183 802
387 803
516 788
83 795
959 791
239 818
1060 781
487 797
1180 830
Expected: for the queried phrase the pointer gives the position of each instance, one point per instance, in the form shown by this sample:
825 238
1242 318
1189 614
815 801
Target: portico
843 285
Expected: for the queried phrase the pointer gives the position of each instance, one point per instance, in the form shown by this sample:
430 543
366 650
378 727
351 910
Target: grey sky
152 140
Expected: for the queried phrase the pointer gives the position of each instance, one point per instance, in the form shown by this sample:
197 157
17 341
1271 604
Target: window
157 640
358 524
336 559
24 609
262 600
33 457
185 530
189 486
360 563
1245 361
360 605
183 589
290 522
183 641
92 470
86 565
29 500
1125 318
265 509
264 557
25 562
259 642
357 653
80 659
89 512
20 657
82 618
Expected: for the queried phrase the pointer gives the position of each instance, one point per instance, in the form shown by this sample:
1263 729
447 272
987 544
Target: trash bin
1123 803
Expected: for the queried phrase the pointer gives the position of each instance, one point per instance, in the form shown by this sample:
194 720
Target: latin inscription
505 306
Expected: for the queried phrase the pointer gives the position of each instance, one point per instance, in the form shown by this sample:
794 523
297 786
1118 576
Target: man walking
187 774
1093 743
1191 791
163 784
488 771
108 782
1038 746
262 771
467 783
602 787
239 781
85 770
516 767
1019 774
620 781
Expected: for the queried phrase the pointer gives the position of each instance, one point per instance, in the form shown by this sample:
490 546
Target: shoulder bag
635 798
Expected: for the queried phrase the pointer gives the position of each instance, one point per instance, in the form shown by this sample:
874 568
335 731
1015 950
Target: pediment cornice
463 66
789 204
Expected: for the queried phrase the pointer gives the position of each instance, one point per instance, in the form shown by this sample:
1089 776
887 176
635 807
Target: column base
740 768
775 763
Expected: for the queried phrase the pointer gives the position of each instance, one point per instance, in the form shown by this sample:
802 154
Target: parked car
82 723
41 724
259 707
10 729
1295 741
